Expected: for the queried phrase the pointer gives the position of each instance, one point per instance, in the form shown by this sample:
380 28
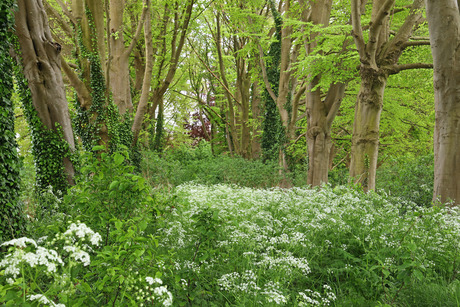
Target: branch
175 57
139 27
295 102
212 73
357 31
394 69
264 74
66 11
64 25
376 25
415 43
83 94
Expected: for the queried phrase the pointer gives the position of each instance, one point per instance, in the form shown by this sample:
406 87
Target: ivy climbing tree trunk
378 59
444 27
10 211
41 65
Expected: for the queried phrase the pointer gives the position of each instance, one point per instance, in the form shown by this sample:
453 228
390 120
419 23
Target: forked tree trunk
444 26
41 64
379 55
365 140
320 115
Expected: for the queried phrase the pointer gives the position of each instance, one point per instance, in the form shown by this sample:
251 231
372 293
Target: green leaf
118 158
418 274
98 148
113 185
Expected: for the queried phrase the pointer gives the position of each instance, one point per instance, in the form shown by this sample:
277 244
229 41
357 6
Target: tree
10 211
48 115
444 25
379 57
323 98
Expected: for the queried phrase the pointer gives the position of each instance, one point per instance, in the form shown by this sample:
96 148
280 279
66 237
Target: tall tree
379 57
10 212
322 104
444 26
41 66
174 20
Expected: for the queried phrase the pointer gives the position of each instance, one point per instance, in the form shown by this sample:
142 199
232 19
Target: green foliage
101 122
11 215
411 179
71 269
273 132
244 247
183 164
107 189
48 146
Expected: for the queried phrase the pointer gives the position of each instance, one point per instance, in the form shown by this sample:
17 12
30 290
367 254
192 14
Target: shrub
408 178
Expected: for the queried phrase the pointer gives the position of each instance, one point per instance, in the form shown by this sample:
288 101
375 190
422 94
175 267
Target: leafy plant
107 189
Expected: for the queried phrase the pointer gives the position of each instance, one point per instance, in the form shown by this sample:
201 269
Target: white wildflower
21 242
78 254
151 280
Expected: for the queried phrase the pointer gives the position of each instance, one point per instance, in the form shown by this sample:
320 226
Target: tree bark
320 115
41 64
119 62
365 139
379 58
444 27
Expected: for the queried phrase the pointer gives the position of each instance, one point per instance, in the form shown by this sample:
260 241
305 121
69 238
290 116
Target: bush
112 259
408 178
185 164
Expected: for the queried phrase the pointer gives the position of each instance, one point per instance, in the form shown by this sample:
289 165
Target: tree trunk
365 140
379 56
119 64
41 64
444 27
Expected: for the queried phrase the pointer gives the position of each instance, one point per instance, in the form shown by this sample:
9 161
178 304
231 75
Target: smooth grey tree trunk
444 26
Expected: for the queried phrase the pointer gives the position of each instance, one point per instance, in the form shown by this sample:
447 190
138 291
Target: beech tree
379 57
41 65
322 104
444 25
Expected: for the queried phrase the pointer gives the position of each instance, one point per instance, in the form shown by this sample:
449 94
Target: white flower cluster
44 300
159 294
247 283
78 254
80 230
236 282
42 256
314 298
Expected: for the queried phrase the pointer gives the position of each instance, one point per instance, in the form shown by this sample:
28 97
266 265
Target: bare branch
264 74
83 94
64 24
66 12
139 28
357 31
212 73
394 69
415 43
404 33
375 27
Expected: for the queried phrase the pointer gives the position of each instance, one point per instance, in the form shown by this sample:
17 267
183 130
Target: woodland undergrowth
122 239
